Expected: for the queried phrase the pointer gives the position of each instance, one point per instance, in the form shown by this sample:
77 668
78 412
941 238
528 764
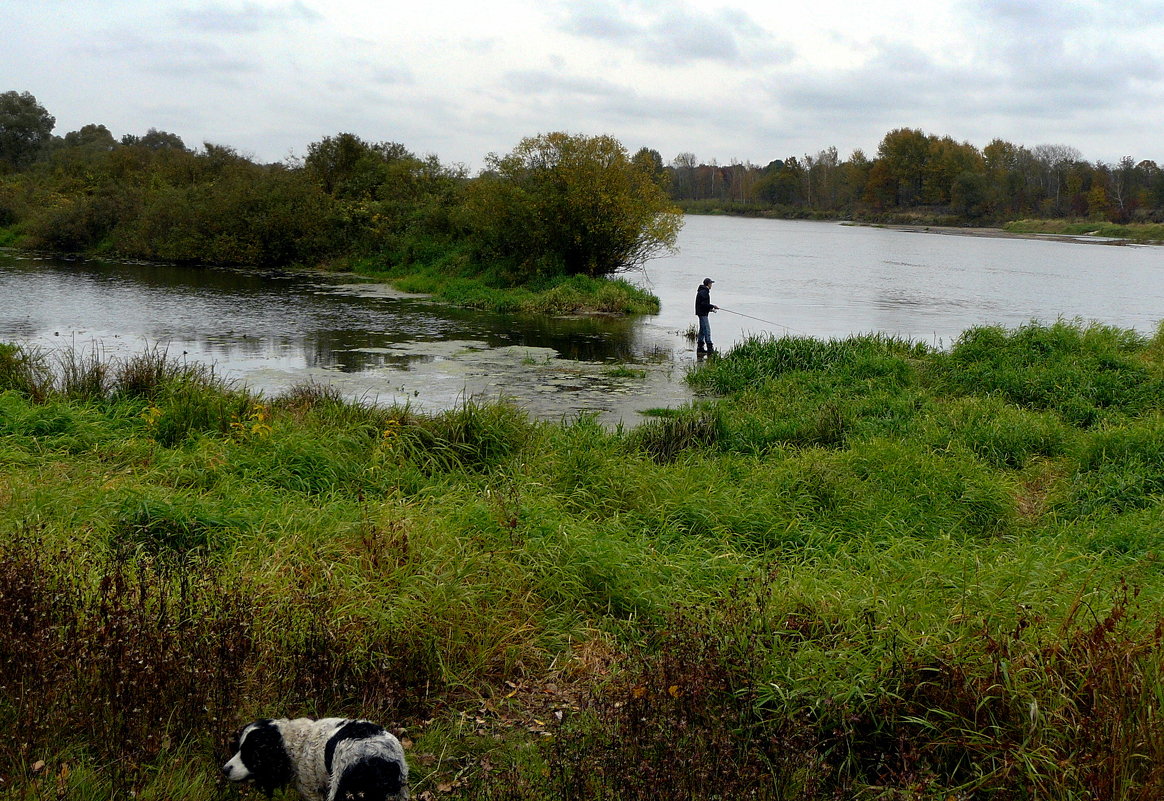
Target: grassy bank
864 570
1137 232
558 295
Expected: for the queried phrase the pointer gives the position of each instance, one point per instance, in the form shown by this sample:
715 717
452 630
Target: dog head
261 756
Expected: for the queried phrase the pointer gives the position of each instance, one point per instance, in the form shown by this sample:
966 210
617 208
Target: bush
568 205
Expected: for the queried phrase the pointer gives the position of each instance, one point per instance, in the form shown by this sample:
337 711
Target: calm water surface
272 329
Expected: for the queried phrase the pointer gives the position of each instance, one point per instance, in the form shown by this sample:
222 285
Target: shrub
568 205
154 651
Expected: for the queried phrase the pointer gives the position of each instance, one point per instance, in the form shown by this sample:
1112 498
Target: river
273 328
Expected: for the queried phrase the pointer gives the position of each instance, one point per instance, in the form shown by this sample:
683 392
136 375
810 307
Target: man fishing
703 307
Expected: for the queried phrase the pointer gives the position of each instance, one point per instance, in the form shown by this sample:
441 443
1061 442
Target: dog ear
265 755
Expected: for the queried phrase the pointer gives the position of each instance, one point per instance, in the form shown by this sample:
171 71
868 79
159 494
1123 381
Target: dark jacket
703 305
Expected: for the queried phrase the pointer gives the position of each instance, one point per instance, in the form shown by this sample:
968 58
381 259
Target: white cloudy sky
737 80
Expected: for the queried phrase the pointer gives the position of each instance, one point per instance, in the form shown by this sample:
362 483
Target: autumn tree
946 163
650 160
1097 199
1052 162
569 204
782 183
90 137
347 166
854 177
904 153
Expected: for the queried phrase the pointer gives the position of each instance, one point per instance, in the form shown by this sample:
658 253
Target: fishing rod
759 320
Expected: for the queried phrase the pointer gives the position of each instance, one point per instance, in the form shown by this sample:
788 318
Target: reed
25 370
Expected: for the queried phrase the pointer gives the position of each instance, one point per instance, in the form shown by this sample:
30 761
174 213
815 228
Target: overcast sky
739 80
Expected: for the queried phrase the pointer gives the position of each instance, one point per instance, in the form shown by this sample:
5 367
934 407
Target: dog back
365 762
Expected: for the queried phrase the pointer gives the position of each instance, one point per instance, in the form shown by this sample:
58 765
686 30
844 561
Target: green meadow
859 569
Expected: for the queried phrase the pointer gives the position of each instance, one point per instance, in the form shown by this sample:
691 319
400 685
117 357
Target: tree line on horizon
913 171
558 204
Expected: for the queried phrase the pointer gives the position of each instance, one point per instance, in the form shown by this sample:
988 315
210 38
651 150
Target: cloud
526 82
189 60
1070 47
245 19
1029 72
600 20
672 33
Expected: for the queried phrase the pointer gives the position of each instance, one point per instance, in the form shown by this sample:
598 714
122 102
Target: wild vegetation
856 569
559 207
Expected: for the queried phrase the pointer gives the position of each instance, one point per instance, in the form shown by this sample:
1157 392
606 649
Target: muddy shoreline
999 233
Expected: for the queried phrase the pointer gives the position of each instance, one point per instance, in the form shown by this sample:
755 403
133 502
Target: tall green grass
864 570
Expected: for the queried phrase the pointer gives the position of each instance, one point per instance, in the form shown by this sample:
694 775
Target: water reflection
274 328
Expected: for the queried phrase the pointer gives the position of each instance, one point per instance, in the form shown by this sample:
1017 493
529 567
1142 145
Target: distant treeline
915 172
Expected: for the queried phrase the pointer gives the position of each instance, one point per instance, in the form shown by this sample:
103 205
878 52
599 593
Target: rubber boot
700 349
710 348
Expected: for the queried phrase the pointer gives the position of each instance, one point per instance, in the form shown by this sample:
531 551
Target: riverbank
1093 232
1140 233
875 557
1090 238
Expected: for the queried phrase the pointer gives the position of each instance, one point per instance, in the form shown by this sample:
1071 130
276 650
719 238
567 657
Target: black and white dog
331 759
